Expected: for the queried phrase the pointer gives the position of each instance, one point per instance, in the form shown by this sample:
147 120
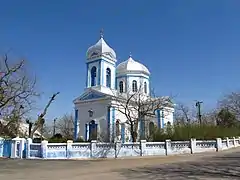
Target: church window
93 76
145 87
108 77
151 128
117 128
121 86
134 86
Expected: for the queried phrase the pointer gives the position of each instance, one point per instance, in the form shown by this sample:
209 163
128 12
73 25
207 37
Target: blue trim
114 64
108 122
113 123
149 87
162 118
99 73
129 75
87 76
86 131
76 125
158 118
123 132
102 69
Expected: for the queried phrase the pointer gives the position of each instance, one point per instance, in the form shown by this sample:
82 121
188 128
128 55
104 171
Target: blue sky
190 47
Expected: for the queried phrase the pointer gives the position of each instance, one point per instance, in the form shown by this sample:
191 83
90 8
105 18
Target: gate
7 147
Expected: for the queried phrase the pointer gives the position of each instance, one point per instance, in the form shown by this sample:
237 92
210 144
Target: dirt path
204 165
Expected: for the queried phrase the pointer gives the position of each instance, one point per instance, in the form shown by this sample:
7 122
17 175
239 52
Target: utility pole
198 105
54 126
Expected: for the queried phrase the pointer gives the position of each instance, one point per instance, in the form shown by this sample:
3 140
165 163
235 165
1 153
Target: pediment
91 95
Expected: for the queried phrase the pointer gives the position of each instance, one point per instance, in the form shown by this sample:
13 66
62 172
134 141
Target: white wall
128 79
168 115
99 115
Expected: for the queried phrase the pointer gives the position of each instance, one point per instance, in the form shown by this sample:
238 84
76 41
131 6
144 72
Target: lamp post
54 126
198 105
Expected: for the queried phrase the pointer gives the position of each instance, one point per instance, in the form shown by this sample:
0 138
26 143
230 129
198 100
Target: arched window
121 87
145 87
117 128
134 86
151 128
108 77
93 76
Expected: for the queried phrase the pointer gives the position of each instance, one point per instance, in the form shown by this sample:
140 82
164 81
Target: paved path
221 165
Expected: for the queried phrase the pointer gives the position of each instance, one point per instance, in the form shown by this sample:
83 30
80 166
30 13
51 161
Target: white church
96 114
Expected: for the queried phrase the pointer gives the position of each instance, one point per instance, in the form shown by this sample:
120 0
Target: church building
96 114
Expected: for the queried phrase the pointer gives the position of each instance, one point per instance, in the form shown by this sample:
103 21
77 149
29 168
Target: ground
216 165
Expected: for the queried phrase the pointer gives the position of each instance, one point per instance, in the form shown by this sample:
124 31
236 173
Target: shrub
202 132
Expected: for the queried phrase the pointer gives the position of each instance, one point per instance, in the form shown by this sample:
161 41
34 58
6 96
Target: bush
57 138
79 140
202 132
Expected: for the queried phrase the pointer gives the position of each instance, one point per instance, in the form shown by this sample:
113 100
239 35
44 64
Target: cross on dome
101 33
130 55
101 48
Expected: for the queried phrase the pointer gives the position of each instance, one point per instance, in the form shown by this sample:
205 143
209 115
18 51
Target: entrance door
92 130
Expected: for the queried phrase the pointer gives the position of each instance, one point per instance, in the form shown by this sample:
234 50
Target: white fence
72 150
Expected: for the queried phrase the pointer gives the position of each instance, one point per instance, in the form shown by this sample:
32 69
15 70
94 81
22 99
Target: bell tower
101 65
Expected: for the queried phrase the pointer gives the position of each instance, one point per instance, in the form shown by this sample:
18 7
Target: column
108 123
113 134
162 118
76 125
123 132
158 119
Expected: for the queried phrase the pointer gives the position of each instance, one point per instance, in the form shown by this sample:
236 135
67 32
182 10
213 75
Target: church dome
131 66
101 48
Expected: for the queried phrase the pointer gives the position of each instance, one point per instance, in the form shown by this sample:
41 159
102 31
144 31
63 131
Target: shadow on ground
224 167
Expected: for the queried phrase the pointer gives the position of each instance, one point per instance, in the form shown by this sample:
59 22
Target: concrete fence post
69 148
93 148
16 148
193 145
219 145
168 147
117 148
234 142
44 149
228 145
28 148
1 146
143 147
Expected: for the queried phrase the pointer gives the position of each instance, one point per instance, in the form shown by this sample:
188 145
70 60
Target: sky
190 47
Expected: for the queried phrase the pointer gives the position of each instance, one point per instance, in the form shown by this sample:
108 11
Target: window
145 87
108 77
121 87
93 76
151 128
134 86
117 128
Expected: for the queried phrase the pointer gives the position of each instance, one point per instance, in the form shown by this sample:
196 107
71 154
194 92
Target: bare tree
137 107
232 103
182 114
39 124
17 93
65 126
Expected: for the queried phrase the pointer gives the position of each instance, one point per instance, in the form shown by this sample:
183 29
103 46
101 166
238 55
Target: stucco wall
99 109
